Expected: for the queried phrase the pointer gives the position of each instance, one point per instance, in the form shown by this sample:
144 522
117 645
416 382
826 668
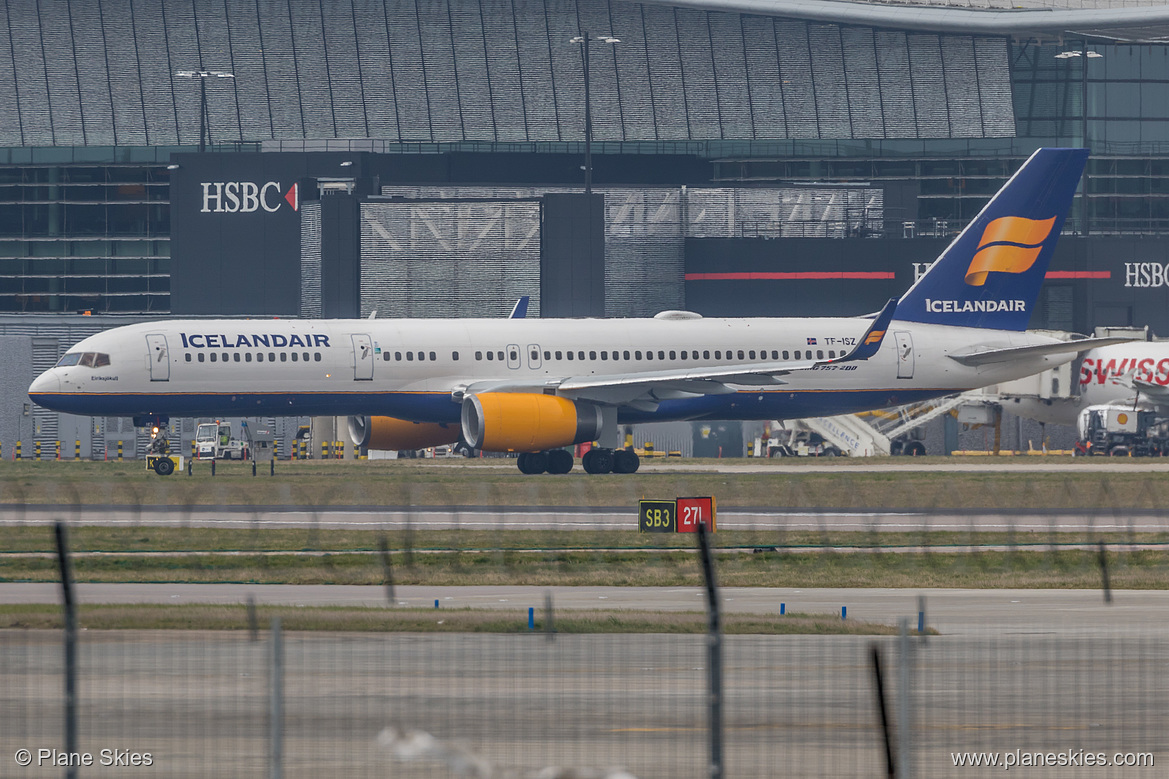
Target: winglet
520 311
871 341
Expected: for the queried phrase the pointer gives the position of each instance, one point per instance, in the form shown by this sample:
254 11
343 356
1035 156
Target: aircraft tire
626 461
523 462
537 462
598 461
559 461
164 466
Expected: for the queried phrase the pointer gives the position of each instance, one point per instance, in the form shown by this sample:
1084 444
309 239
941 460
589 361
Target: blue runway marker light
531 618
921 622
436 603
844 612
782 608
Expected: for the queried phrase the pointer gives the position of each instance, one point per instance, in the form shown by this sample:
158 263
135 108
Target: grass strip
194 540
399 620
1049 569
496 482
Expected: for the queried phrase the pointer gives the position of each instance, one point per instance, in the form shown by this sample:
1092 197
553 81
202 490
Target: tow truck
158 456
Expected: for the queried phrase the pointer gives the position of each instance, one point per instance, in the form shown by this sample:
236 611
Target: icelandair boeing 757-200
535 386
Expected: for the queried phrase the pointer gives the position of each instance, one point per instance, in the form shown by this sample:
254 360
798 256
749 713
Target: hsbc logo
246 197
1146 274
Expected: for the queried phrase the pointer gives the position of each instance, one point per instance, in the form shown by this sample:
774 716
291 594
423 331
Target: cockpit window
86 359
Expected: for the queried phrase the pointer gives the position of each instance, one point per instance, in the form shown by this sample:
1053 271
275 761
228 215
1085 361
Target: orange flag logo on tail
1009 244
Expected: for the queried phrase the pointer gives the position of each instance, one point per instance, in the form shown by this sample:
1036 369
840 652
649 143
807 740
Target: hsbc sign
246 197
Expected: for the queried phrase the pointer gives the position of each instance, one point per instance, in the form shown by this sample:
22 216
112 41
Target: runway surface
792 706
597 518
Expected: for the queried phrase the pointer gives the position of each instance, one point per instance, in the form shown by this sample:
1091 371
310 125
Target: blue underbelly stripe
439 407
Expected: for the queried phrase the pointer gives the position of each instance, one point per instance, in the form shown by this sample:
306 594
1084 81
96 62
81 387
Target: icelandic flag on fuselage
990 275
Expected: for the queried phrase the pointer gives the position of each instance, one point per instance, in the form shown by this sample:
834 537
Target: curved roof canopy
1147 24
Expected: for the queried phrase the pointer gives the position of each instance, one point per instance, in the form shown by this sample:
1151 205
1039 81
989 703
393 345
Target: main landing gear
594 461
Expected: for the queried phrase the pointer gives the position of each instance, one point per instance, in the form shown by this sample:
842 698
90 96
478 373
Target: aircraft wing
1005 355
652 386
1154 392
647 388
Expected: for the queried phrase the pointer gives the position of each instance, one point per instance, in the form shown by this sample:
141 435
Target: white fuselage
417 369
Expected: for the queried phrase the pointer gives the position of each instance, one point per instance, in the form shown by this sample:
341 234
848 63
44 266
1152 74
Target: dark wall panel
1105 280
235 230
572 259
340 257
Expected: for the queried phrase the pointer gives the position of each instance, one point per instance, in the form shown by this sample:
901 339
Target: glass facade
85 237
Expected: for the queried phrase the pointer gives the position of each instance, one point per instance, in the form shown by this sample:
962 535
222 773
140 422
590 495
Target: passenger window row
247 357
673 354
627 354
411 356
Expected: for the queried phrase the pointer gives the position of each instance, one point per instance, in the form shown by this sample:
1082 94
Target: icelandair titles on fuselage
963 306
241 340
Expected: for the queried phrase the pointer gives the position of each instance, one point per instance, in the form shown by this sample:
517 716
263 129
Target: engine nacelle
389 433
527 422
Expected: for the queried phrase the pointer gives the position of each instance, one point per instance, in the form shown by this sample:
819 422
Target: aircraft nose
46 382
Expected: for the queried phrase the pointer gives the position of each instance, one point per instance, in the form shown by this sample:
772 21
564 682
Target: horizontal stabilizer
1006 355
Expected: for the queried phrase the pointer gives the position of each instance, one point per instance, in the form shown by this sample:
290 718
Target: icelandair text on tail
1069 757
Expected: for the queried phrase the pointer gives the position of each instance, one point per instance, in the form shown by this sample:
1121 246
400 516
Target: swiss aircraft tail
990 275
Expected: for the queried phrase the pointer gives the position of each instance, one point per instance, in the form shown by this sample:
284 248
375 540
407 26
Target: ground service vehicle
214 441
1122 431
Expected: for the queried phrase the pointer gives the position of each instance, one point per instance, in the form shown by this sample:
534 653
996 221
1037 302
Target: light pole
1084 54
204 123
585 38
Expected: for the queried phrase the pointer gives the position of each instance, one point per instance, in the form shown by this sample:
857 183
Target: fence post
713 655
1104 573
387 571
276 702
70 647
904 671
882 710
549 628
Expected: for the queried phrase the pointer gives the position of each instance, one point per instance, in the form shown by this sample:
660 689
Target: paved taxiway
596 518
951 611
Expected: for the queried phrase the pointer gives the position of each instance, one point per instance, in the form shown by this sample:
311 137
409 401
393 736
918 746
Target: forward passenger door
159 357
362 357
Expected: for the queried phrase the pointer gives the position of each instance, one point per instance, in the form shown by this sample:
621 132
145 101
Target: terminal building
431 159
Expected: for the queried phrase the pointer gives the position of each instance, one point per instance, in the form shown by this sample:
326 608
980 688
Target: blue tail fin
990 275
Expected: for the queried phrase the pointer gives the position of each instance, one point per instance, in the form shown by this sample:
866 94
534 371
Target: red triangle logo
293 197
